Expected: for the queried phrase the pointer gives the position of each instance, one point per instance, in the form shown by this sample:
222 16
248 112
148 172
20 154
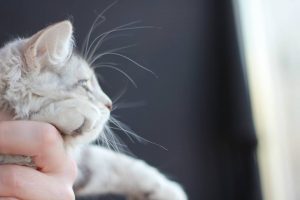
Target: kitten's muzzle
109 106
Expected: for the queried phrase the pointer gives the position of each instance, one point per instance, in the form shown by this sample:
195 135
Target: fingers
56 170
28 184
27 137
39 140
5 116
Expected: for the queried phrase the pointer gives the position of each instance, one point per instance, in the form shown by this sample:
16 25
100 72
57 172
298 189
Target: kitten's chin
87 132
79 137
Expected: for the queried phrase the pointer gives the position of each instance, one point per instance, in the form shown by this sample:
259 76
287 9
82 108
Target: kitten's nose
109 106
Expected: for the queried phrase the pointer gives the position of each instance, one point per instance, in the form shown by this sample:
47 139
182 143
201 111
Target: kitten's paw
169 191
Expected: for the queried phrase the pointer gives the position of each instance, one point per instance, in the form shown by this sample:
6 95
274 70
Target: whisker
126 130
113 141
129 105
96 23
112 51
104 63
121 71
108 7
123 91
116 36
108 134
134 135
129 134
86 41
104 139
100 78
102 36
126 58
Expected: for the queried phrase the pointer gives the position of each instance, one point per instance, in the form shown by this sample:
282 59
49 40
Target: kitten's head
45 80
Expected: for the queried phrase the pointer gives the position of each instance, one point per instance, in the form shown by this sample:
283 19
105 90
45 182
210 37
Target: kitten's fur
42 79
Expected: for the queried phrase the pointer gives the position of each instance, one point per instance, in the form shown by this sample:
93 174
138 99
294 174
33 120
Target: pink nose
109 106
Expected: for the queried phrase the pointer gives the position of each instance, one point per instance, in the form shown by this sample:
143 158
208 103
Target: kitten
43 79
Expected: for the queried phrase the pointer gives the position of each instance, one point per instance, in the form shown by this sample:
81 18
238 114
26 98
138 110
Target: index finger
29 138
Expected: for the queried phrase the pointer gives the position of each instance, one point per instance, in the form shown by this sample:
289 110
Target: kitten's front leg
106 172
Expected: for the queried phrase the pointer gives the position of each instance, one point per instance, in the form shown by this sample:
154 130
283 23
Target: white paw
169 191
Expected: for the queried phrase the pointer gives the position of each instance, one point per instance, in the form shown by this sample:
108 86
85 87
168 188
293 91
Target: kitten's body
42 79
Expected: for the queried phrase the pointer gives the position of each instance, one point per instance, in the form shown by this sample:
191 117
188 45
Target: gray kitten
43 79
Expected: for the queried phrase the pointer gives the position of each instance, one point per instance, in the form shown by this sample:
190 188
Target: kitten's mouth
79 131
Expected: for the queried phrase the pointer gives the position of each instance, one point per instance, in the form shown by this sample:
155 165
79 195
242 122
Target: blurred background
212 58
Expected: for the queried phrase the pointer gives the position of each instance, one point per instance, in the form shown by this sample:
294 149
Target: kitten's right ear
51 46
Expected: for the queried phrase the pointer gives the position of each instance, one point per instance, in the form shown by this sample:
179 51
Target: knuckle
48 128
73 169
70 170
48 135
68 194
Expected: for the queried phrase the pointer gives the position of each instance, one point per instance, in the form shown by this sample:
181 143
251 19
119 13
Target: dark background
198 107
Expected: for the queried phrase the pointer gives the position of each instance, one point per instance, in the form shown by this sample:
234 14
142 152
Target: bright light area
270 43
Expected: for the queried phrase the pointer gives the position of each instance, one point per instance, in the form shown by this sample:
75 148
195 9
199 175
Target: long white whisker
141 139
104 139
105 63
103 35
114 29
116 99
116 36
85 44
126 130
129 105
121 71
119 127
100 42
96 23
112 141
114 50
125 57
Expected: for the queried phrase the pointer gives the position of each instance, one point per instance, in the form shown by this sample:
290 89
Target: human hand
56 171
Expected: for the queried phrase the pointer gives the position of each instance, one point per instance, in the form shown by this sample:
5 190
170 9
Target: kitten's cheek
73 120
65 121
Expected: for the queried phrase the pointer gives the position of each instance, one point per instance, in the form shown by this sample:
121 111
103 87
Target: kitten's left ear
51 46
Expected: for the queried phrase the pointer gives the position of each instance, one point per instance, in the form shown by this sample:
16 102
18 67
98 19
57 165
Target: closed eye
86 88
84 84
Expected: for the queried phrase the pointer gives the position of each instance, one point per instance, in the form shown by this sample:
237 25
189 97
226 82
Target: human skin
56 171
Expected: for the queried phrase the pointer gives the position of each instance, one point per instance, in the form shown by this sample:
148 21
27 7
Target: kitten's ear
51 46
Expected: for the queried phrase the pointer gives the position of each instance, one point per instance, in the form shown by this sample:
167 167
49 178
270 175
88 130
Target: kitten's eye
84 83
